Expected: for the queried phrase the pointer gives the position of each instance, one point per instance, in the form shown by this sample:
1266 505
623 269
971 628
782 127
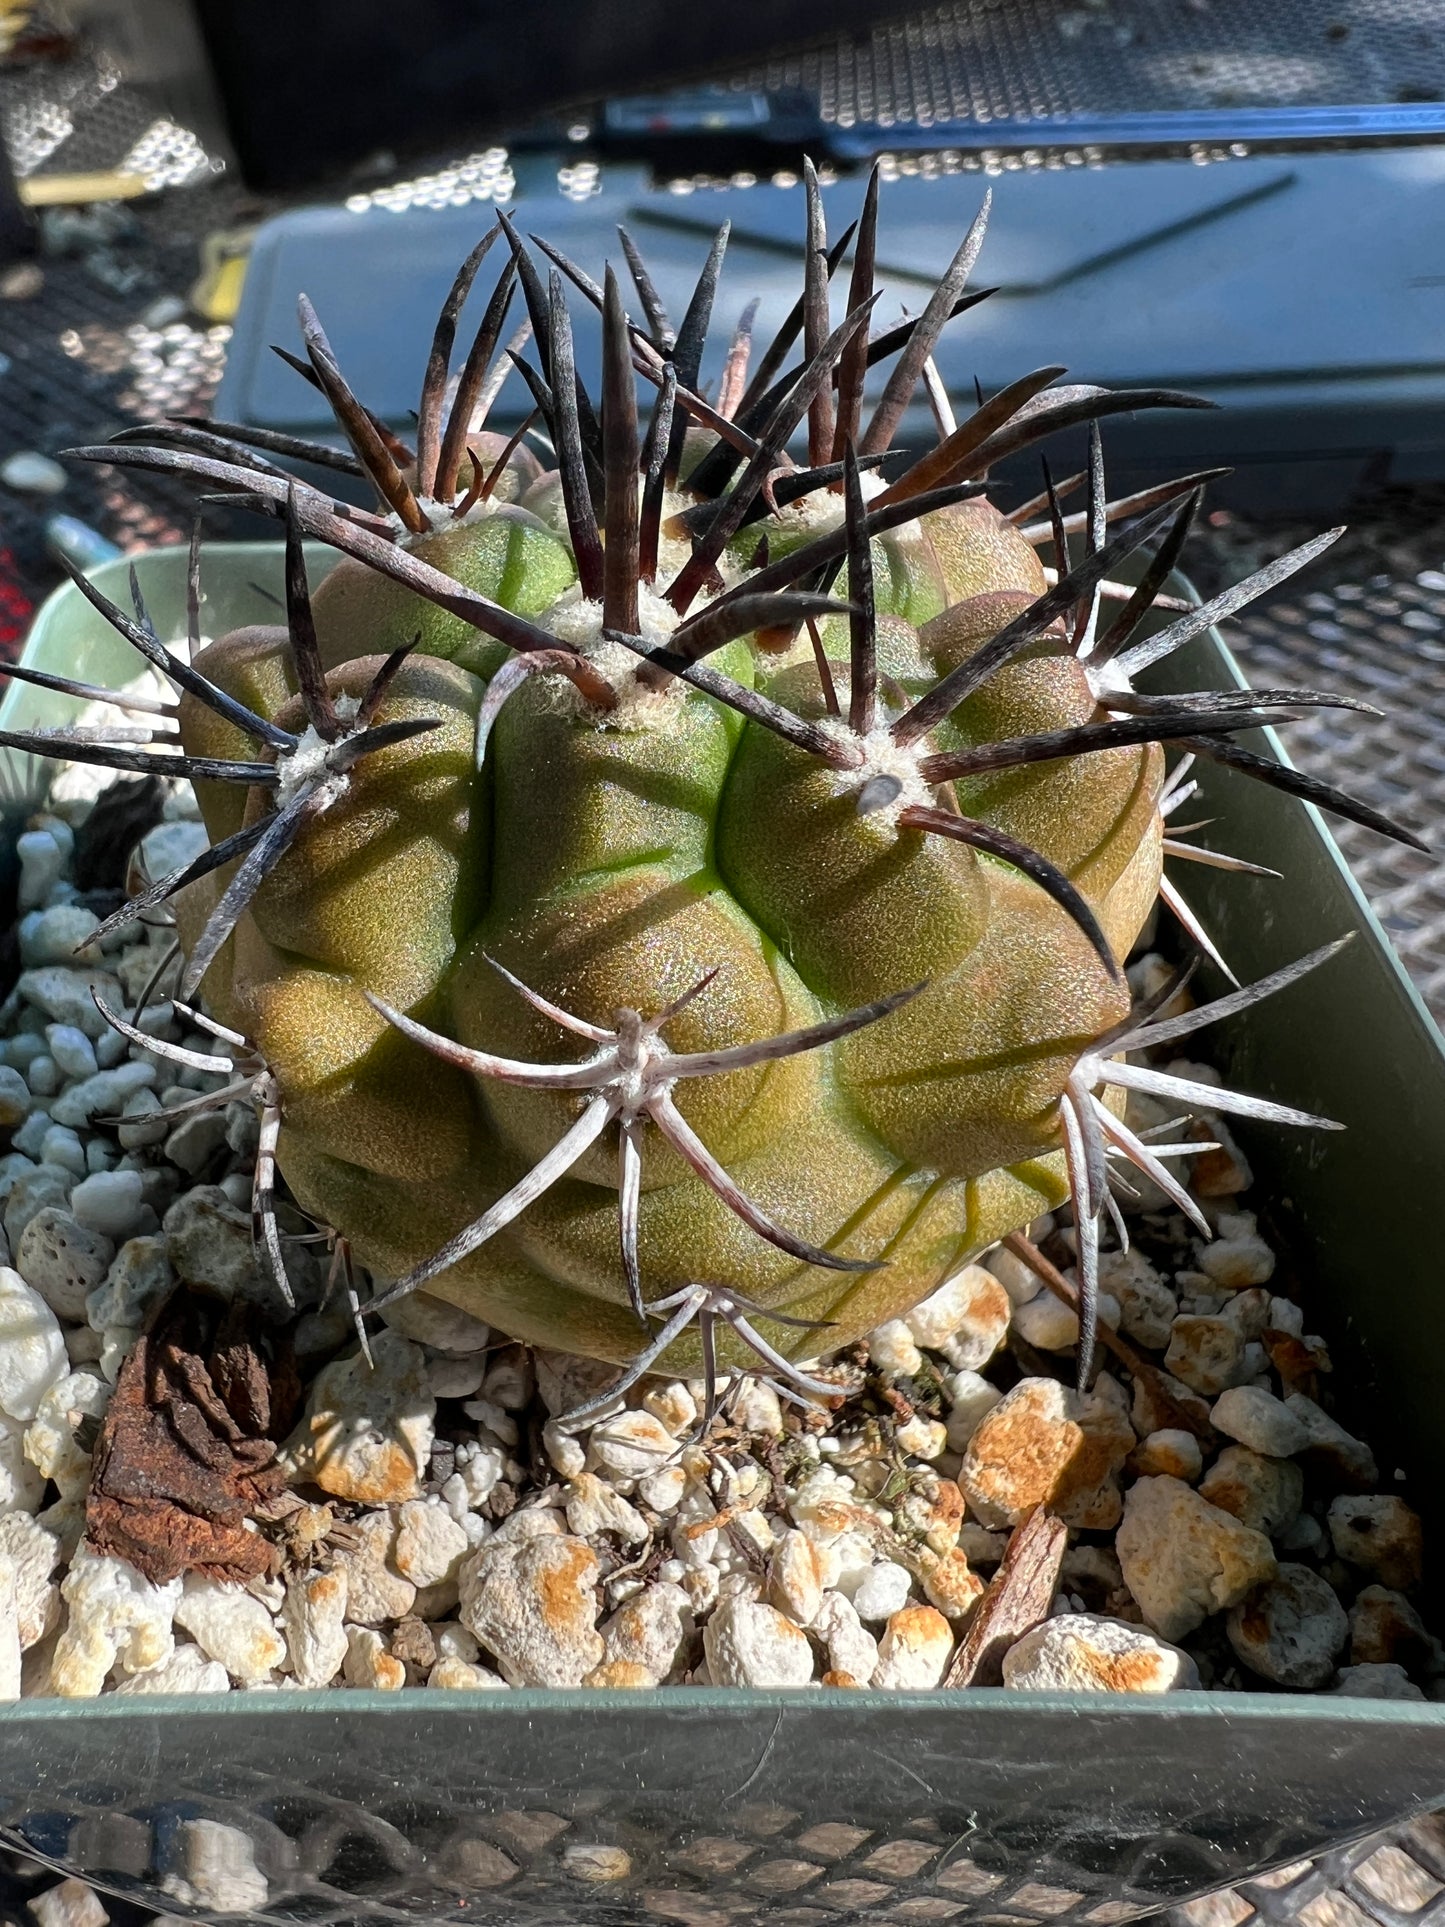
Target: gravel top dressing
205 1493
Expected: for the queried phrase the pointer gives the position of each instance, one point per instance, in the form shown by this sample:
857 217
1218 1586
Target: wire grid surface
68 107
333 1864
294 1855
1357 639
72 113
1390 1879
998 60
393 1868
1366 621
89 354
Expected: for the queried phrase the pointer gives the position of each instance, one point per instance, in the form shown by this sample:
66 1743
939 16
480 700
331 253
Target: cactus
675 901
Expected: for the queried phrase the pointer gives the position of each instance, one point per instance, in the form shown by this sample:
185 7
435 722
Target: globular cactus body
611 861
678 887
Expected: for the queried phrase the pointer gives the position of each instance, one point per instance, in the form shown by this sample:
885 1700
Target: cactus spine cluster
674 896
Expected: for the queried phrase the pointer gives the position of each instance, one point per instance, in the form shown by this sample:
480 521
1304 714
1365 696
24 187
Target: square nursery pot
703 1807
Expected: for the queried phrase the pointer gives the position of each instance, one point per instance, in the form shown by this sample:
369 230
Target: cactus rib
633 1073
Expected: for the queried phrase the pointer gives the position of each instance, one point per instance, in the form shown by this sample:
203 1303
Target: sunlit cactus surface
669 883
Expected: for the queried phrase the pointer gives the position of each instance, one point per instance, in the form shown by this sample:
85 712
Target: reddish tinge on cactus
675 900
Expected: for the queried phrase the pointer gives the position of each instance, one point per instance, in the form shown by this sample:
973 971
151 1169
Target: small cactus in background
674 900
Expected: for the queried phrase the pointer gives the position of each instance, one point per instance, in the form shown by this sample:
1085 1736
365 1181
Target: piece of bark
1017 1600
187 1453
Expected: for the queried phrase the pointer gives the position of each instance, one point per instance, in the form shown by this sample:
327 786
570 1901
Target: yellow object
224 258
73 190
14 18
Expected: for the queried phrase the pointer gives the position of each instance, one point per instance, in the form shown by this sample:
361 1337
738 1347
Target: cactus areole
673 895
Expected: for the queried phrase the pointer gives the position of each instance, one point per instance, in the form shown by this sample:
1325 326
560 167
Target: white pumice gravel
63 1259
532 1604
313 1620
1374 1681
56 1438
851 1648
1239 1256
231 1626
57 936
1260 1492
1183 1559
213 1868
116 1620
71 1051
1381 1535
966 1319
367 1431
70 1904
1257 1419
630 1445
652 1630
208 1243
15 1098
749 1643
1147 1305
880 1592
32 1347
369 1664
430 1544
10 1646
139 1277
1225 1527
914 1651
42 863
110 1203
1291 1629
1332 1451
1085 1653
377 1590
891 1348
973 1398
32 1554
1175 1453
22 1486
1047 1323
187 1670
797 1576
461 1675
598 1865
1385 1627
1206 1353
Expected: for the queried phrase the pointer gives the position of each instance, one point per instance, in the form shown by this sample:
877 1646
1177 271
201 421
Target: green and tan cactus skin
612 864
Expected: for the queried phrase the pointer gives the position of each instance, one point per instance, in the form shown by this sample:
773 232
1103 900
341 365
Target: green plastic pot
241 582
818 1807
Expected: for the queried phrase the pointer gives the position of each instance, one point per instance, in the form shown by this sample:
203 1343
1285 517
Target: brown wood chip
1018 1598
187 1453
